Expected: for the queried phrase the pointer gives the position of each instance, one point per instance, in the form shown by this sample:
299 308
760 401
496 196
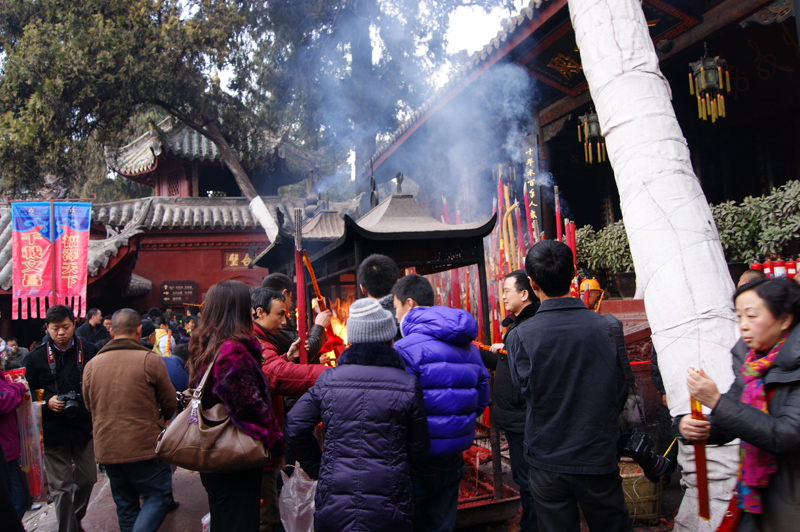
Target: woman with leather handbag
223 339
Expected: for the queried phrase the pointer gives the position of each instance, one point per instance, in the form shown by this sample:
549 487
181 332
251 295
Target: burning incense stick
558 213
700 467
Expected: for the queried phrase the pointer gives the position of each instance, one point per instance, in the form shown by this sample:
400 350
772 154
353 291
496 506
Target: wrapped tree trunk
680 267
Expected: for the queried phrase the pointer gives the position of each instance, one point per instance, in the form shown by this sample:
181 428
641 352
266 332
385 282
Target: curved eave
470 230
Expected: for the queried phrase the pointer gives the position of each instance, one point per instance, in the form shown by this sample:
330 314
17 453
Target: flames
340 310
339 313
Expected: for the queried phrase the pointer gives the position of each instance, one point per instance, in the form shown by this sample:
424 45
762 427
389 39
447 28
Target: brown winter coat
123 386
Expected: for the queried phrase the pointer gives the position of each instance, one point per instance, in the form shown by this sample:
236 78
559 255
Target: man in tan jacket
123 386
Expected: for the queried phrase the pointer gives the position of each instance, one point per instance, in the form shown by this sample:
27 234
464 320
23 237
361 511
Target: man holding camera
57 367
564 362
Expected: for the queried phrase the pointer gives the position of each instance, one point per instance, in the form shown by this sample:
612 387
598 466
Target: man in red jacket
284 378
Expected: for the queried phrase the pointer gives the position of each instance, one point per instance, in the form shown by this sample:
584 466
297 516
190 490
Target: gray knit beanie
369 323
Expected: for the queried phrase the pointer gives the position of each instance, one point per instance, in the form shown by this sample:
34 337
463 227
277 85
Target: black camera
638 445
72 403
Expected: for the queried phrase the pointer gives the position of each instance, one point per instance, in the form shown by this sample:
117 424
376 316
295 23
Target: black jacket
508 406
98 337
57 427
565 363
288 335
777 432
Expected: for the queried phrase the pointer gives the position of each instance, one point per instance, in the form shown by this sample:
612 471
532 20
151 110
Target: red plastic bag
296 503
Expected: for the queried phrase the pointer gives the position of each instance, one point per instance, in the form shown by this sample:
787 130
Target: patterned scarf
755 465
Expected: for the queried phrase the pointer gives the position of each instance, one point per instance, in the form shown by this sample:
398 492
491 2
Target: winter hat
369 323
148 328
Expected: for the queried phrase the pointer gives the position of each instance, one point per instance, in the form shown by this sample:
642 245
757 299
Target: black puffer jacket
374 420
508 405
777 433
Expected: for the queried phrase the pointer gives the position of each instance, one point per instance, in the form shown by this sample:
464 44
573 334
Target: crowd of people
398 409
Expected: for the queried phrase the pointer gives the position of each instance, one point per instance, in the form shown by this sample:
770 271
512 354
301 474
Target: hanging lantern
708 80
594 145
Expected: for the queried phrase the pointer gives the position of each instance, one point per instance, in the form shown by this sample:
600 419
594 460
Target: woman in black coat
374 420
762 406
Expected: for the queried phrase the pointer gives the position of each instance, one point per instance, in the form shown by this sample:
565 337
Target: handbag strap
198 392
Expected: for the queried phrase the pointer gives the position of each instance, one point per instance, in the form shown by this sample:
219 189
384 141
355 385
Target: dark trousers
233 499
558 495
435 483
7 510
149 480
519 472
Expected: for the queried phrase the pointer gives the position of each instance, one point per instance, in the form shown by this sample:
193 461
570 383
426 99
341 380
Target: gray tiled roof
194 213
179 139
125 219
325 225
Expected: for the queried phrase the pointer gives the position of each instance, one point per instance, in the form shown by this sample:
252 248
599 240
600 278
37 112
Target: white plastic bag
296 503
206 522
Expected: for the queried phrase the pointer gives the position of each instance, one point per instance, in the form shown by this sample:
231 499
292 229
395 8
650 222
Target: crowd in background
399 407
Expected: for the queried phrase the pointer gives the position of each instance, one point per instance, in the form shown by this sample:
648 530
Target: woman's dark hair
780 295
550 265
226 316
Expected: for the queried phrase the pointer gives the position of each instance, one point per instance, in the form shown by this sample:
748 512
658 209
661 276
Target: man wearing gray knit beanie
374 419
369 323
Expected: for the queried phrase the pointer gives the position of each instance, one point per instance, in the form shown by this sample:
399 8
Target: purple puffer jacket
437 348
374 421
10 397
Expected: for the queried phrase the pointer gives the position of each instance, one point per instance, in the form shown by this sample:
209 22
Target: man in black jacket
93 331
57 367
508 405
565 363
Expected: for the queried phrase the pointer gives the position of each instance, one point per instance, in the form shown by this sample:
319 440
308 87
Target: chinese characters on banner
43 269
72 254
31 249
533 187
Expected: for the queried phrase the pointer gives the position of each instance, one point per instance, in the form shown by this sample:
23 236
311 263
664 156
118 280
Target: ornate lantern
708 78
589 133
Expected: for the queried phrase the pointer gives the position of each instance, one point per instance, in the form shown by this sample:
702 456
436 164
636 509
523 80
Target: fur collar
372 355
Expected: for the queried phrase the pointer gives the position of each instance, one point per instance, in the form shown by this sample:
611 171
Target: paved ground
188 490
102 515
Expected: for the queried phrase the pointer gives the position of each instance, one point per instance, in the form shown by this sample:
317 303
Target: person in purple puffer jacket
236 380
437 348
374 420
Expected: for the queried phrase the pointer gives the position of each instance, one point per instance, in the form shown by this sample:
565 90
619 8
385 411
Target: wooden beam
722 15
716 18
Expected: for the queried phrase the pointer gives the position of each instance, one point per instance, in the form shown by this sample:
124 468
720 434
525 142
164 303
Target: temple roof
400 217
126 219
170 136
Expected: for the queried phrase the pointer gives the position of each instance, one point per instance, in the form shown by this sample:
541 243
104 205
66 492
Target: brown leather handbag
206 440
